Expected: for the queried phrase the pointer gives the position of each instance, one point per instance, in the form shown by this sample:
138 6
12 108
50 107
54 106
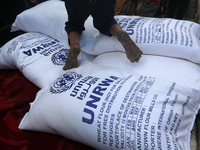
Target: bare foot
72 61
133 53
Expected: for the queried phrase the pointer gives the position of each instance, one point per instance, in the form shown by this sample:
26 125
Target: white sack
107 108
39 57
49 18
156 36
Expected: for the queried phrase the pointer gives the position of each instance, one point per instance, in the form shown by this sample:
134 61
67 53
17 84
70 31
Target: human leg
103 12
133 53
104 21
78 11
77 14
74 51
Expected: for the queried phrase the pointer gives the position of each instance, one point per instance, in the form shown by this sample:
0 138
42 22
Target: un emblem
60 57
65 82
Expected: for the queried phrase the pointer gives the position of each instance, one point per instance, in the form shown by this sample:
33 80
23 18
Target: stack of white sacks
108 102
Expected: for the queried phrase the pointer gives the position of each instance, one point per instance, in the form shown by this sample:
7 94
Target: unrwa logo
65 82
60 57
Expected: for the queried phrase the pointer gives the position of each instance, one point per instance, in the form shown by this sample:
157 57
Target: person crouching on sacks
103 12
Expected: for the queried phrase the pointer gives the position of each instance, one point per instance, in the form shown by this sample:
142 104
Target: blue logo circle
65 82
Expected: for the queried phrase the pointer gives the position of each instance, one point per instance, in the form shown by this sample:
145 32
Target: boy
103 12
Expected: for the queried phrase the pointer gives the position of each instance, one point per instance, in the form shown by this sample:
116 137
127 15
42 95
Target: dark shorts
102 11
